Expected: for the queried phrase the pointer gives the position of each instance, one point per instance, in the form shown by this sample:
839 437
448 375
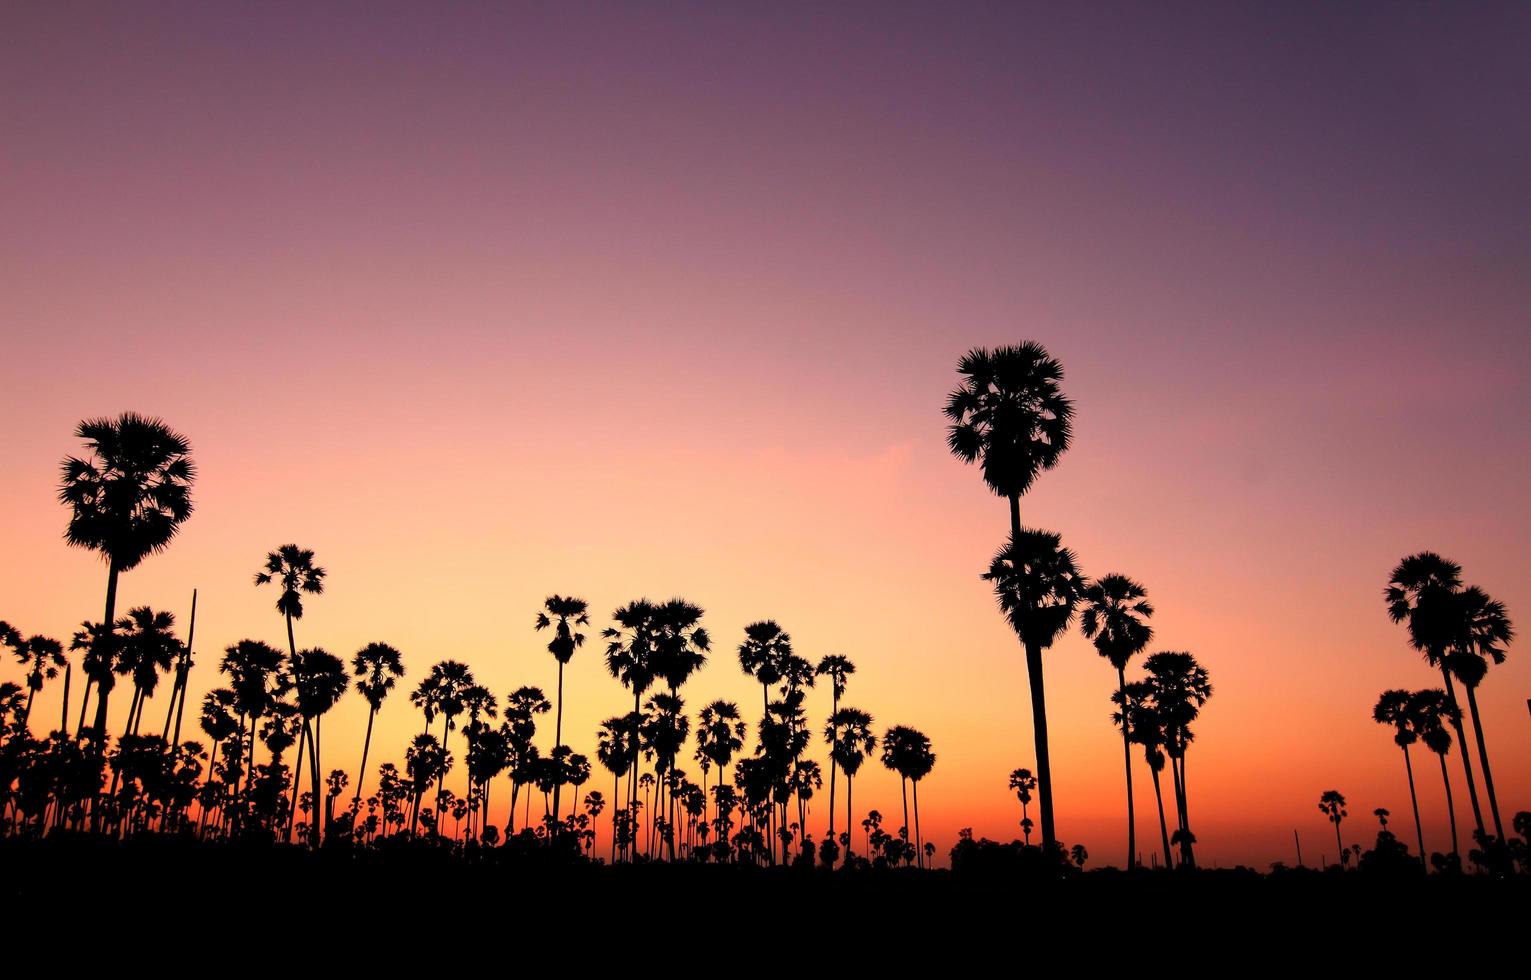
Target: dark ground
340 911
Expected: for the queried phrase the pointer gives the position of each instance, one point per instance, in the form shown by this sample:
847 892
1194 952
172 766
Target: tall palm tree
906 751
43 656
720 732
1483 631
522 706
838 669
1422 593
1135 709
1433 711
294 569
630 656
1396 708
1332 805
613 751
562 614
127 497
1038 586
922 759
850 739
319 681
1009 415
377 667
1179 687
763 655
1113 618
148 648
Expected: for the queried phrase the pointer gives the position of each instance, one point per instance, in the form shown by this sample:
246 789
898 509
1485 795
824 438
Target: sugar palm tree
377 667
1113 618
1396 708
43 658
562 614
1135 709
147 648
319 681
630 656
1483 631
1422 593
127 498
1038 587
1023 784
906 751
294 569
1009 415
96 663
613 751
720 732
838 669
258 677
1178 686
1433 711
763 655
850 739
1332 805
922 759
681 642
522 706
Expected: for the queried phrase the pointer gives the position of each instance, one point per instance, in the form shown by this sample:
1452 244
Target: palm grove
260 773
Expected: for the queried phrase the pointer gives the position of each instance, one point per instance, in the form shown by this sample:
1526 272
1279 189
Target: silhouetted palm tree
377 667
630 655
1114 614
1422 592
838 669
763 655
1332 805
1022 783
850 740
294 569
1396 708
562 613
720 733
147 648
1483 630
614 752
522 706
1433 711
319 681
127 498
907 752
1038 587
258 677
42 656
1179 687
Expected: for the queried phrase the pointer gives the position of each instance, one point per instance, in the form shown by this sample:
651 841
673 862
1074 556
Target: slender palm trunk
1164 831
1132 823
919 842
297 778
366 746
1451 807
1039 734
108 627
616 788
1467 762
1488 775
26 713
903 785
832 768
848 834
320 809
1419 833
1339 843
557 741
79 727
63 718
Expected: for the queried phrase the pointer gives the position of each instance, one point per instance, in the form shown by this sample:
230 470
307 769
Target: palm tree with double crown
377 668
850 739
128 496
563 615
1396 709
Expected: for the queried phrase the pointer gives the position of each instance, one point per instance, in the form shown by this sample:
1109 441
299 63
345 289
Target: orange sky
533 304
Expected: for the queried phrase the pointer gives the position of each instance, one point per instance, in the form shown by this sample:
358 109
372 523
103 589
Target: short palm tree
1114 617
850 739
1023 784
147 648
43 659
613 751
1422 592
763 655
377 667
319 681
1434 715
1178 687
1038 587
127 498
1332 805
1396 708
907 752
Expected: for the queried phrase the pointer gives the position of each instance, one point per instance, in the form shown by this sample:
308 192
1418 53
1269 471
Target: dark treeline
257 776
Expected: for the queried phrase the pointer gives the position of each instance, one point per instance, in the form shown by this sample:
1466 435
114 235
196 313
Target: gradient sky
484 302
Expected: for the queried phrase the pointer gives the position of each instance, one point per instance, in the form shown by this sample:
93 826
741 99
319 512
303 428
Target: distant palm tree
127 498
1483 631
1038 587
1332 805
763 655
850 739
838 669
562 614
522 706
294 569
1422 592
1022 783
426 762
1178 687
377 667
42 656
147 648
1135 709
97 662
630 658
319 681
258 677
614 752
1079 855
1114 614
1432 712
907 752
1396 708
720 734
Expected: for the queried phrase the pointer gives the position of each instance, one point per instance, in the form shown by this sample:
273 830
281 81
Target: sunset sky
484 302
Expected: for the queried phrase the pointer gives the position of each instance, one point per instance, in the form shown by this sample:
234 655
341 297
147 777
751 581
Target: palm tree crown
1114 614
1037 584
294 568
1009 415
